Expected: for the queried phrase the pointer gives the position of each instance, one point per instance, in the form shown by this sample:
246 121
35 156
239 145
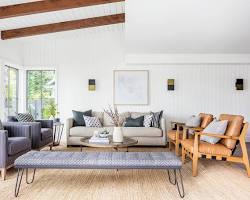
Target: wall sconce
239 84
170 84
92 85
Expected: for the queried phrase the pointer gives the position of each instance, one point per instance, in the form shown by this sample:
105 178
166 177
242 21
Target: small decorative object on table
117 122
100 138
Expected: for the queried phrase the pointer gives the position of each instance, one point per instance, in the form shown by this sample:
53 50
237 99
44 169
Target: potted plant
117 121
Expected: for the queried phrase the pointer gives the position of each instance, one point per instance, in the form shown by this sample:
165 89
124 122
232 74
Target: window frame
27 83
17 88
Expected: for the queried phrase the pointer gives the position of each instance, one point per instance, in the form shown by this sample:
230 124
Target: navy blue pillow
78 117
137 122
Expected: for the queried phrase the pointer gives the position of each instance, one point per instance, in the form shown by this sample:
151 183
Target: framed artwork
131 87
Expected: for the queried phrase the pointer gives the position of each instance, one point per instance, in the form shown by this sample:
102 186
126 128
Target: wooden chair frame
195 155
177 141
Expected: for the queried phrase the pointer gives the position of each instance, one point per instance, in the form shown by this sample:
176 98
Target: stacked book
98 140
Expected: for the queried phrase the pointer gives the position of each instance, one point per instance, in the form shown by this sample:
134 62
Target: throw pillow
78 117
148 120
156 119
24 117
194 121
215 127
92 121
1 125
137 122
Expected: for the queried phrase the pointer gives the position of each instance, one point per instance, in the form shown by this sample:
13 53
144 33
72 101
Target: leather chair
223 150
41 132
15 140
175 135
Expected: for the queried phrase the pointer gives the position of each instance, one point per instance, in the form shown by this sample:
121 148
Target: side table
57 133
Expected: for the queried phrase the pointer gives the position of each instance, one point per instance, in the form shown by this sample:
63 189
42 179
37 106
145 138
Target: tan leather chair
175 136
223 150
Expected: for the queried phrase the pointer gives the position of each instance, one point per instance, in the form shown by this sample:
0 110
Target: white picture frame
131 87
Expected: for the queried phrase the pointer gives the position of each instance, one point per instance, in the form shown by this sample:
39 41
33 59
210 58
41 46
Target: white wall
200 87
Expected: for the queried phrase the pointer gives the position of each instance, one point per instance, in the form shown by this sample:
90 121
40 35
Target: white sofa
146 136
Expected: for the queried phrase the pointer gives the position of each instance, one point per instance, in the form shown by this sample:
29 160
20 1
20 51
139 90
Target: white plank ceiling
60 16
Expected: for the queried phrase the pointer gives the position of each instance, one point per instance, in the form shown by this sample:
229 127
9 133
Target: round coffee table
127 142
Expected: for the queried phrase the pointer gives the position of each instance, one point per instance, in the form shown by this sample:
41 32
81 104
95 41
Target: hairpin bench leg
27 176
180 185
18 181
173 182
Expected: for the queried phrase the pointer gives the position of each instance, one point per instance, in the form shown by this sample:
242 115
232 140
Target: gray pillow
78 117
24 117
215 127
1 125
194 121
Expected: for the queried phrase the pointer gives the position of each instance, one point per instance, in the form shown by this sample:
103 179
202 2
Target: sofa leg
3 173
245 156
50 147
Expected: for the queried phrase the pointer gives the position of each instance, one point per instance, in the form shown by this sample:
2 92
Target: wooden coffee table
127 142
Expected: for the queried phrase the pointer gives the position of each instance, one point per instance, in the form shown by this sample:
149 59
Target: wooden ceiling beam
47 6
63 26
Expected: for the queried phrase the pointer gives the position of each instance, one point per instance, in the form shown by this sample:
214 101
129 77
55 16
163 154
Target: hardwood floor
216 180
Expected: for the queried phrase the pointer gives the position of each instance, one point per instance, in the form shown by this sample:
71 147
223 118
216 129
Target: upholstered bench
99 160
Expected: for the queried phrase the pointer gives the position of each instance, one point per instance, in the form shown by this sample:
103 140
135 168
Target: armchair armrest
46 123
218 136
3 148
16 130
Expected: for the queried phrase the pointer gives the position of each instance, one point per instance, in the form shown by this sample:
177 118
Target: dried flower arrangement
113 113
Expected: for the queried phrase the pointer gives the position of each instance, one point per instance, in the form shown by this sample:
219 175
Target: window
10 91
41 101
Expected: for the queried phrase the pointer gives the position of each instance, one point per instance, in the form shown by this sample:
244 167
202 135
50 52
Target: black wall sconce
92 85
170 84
239 84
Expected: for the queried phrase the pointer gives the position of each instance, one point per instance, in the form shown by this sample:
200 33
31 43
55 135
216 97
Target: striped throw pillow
24 117
156 119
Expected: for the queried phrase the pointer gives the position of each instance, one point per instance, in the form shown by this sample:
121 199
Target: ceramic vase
117 134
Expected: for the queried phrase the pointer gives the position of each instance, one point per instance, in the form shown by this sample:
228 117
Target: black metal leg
178 183
81 148
27 176
18 181
173 182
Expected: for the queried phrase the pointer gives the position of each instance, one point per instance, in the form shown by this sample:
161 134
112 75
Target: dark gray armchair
15 140
41 132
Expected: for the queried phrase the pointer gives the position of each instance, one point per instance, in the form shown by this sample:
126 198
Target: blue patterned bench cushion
98 160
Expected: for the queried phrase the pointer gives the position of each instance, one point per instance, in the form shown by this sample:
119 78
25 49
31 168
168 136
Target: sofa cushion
80 131
193 121
138 114
207 148
205 119
134 122
46 133
235 124
215 127
142 132
78 117
100 115
18 144
24 117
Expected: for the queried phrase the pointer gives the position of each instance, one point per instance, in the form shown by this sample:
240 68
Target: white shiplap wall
199 87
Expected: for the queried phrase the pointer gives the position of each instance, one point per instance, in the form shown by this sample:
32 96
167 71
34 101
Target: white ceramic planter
117 134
